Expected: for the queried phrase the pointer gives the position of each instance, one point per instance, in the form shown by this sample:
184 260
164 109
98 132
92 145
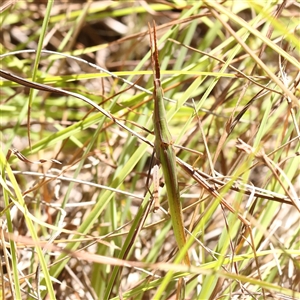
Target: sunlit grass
80 232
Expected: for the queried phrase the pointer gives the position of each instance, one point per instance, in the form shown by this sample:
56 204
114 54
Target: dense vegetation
76 145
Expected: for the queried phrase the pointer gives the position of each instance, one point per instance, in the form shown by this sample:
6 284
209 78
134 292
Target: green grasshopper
164 150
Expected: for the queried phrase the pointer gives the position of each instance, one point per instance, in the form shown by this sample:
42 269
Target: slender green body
166 155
